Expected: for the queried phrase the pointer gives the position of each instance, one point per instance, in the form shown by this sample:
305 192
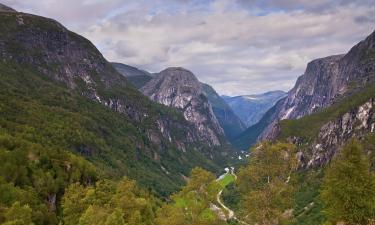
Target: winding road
218 198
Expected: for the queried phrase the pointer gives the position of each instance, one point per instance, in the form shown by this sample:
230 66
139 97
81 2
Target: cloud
237 46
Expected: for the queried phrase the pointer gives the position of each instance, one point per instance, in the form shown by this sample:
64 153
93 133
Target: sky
238 46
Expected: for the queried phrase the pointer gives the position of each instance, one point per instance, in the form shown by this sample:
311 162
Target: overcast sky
238 46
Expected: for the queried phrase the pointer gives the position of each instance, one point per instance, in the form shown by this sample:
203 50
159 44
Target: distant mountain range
251 108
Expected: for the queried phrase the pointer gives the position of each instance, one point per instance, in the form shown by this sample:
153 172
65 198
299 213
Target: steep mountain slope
179 88
328 80
4 8
134 75
320 135
250 136
251 108
59 92
230 123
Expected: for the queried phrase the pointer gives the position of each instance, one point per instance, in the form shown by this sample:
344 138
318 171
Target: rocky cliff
326 81
179 88
357 123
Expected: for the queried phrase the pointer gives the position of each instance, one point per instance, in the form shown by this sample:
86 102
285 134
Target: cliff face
357 123
326 81
315 89
179 88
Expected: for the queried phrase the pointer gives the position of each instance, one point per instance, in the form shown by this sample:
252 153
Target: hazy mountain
228 120
134 75
251 108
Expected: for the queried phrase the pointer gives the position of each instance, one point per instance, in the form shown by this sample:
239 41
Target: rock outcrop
356 123
179 88
326 81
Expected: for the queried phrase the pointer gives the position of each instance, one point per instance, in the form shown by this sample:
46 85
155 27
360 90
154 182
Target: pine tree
349 187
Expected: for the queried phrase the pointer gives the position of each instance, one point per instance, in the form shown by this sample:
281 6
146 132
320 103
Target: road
230 213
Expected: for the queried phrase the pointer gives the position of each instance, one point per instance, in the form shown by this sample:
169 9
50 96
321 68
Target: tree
18 215
349 187
192 204
264 183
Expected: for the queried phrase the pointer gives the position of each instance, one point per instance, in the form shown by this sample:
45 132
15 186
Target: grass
226 180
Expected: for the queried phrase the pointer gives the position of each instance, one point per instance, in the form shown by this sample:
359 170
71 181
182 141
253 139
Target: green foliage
32 174
192 204
226 180
38 110
349 187
108 203
307 204
231 197
264 184
18 214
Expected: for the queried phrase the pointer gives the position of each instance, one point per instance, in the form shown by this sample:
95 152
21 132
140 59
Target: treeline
41 185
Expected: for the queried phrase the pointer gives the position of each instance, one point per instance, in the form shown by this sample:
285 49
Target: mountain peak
179 74
4 8
179 88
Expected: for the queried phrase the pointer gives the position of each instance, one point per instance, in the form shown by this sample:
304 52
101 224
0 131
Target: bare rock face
326 81
315 89
179 88
356 123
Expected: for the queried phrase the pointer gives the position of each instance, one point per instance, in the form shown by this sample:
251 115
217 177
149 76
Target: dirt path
218 198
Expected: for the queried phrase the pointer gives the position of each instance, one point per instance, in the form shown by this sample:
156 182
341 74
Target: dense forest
269 190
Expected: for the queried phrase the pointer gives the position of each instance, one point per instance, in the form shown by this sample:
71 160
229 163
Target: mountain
4 8
134 75
228 120
230 123
179 88
251 108
330 104
328 80
250 136
60 94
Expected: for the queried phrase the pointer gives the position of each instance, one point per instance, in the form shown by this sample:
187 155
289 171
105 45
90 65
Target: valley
88 141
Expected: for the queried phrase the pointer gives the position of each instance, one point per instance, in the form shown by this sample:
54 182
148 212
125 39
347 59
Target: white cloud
239 48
